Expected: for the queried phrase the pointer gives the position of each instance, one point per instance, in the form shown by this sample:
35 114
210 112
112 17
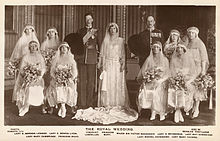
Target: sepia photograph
127 66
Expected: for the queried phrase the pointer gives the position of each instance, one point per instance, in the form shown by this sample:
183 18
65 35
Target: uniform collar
151 29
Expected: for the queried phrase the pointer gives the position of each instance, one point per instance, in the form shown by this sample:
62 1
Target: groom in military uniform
86 62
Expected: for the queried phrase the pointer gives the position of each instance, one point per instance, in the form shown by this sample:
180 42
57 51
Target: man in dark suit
87 65
147 37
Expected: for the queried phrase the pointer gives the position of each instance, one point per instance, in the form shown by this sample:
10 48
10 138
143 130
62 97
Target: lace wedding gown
113 100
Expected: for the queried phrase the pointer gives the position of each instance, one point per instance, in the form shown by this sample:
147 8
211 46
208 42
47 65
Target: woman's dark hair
184 49
52 27
31 42
113 26
31 30
64 44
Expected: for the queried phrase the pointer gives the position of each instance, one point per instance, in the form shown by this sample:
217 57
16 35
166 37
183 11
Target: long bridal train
106 115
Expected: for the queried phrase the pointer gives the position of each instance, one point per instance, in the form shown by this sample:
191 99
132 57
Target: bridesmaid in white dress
171 43
49 46
63 94
113 100
51 41
182 63
22 48
153 95
198 52
26 94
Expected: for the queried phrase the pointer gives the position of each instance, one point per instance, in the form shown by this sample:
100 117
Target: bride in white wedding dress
113 100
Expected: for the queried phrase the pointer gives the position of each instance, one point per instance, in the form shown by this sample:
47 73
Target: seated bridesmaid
180 91
62 89
153 76
29 85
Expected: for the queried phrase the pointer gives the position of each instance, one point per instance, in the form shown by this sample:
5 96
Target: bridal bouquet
62 75
13 67
48 55
152 74
30 74
204 82
177 82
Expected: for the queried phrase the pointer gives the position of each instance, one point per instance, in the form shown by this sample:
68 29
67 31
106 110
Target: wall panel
48 16
12 37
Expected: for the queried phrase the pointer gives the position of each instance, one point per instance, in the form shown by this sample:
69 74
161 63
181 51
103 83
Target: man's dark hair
88 14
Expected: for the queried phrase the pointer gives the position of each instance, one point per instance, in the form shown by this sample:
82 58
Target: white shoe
44 111
162 117
196 114
153 115
50 111
60 112
176 117
63 115
181 117
23 111
187 113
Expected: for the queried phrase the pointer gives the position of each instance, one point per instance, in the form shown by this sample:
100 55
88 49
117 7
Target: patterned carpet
35 117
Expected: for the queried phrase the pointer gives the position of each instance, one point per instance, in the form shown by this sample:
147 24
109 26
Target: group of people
56 74
168 72
35 80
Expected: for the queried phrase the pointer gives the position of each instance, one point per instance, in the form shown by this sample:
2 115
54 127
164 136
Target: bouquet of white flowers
48 55
30 74
63 75
152 74
177 82
13 67
204 82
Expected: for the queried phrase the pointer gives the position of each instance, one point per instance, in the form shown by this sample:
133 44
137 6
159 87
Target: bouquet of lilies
13 67
30 74
177 82
152 74
204 82
48 55
63 75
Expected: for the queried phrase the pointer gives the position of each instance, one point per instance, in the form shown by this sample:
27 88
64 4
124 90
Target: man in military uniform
147 37
87 65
